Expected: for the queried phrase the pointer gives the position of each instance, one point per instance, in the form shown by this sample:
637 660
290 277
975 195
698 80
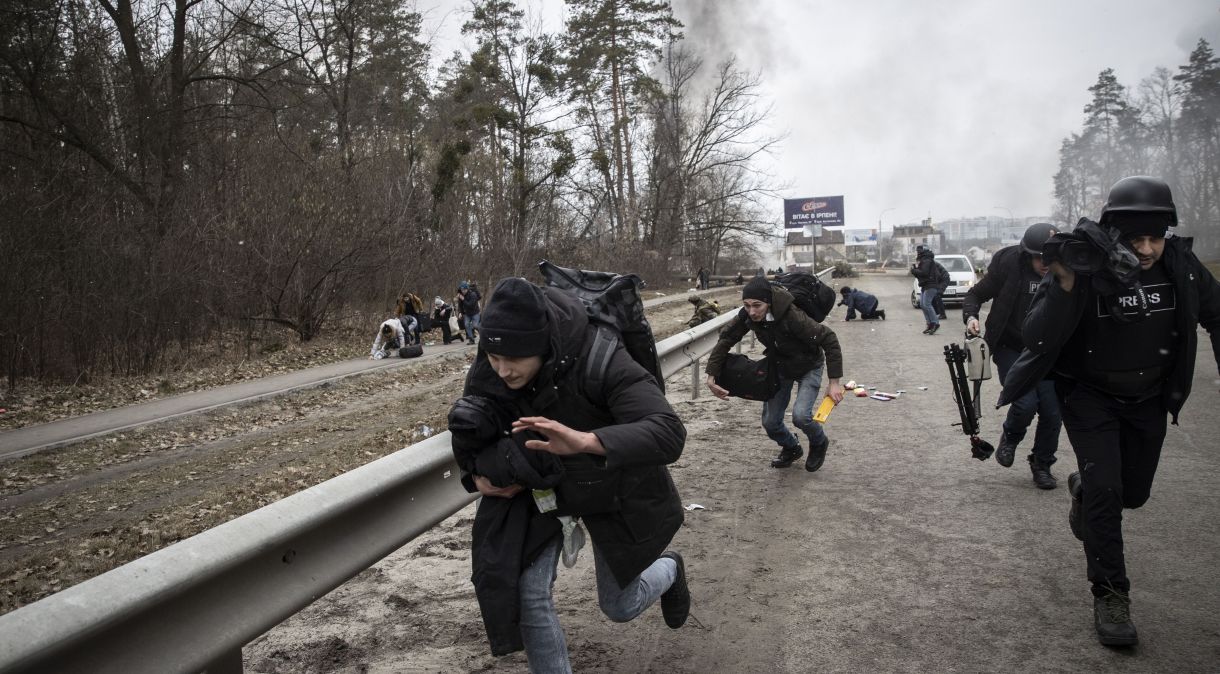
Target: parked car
962 277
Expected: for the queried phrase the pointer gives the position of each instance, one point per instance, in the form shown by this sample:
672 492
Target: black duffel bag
412 351
749 379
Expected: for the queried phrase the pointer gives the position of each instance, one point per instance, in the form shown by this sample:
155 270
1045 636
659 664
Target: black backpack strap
605 341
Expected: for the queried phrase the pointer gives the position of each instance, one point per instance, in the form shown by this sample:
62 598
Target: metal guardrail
192 606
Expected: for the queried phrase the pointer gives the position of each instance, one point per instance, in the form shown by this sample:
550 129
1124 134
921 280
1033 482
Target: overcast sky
948 108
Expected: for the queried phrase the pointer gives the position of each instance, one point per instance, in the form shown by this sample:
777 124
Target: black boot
817 454
928 330
932 330
675 602
1112 618
1006 452
1042 474
881 313
787 455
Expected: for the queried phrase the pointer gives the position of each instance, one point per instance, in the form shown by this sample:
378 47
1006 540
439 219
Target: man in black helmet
1012 277
1121 346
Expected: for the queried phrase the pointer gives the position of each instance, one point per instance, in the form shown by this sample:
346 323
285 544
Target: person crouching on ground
801 347
390 337
704 311
858 300
613 435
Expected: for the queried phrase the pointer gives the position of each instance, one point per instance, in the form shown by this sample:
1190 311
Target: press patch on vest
1161 297
1033 287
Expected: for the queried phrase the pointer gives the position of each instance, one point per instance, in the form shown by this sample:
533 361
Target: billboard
860 237
824 211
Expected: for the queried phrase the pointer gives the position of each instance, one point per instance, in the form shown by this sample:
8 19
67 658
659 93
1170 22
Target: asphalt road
23 441
902 554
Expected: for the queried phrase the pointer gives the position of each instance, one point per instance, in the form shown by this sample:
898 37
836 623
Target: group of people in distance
411 320
560 438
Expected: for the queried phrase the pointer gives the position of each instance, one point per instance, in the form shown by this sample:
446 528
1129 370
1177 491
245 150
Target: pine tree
611 43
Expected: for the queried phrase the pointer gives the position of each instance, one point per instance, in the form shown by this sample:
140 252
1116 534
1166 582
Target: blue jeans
472 324
545 646
1041 400
807 388
926 298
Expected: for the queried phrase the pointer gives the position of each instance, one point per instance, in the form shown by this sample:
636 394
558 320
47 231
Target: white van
962 278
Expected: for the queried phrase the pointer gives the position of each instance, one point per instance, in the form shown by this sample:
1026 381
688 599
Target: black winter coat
1054 315
794 340
930 273
468 303
1003 283
630 416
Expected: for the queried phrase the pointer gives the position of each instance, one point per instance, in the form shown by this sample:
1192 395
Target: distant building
907 237
799 249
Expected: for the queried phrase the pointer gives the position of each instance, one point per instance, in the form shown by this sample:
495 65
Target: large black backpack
613 303
812 296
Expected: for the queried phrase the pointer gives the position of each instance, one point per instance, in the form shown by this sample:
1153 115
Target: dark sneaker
1042 475
1112 618
675 602
786 456
928 330
1074 512
881 313
817 454
1006 452
932 330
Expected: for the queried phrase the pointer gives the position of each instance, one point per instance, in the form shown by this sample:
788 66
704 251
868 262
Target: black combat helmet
1139 194
1036 235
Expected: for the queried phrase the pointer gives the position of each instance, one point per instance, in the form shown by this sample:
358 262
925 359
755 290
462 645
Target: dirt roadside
72 512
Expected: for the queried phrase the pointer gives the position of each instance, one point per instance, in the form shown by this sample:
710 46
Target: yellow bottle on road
824 409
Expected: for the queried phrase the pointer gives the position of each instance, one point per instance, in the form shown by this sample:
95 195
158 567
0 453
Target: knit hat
1139 223
463 285
514 322
757 289
438 301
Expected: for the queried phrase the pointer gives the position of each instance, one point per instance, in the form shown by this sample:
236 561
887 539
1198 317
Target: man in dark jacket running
1012 277
1122 352
797 343
614 432
858 300
933 279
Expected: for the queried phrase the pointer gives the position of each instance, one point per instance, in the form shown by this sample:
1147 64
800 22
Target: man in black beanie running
796 343
612 439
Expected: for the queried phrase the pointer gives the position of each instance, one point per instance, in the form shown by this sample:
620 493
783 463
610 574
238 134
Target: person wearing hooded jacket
858 300
1121 361
933 279
1010 282
613 434
800 347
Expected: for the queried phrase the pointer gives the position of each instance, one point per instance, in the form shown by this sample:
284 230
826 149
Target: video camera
1092 249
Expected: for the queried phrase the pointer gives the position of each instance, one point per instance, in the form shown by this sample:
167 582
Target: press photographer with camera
1115 324
1012 277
